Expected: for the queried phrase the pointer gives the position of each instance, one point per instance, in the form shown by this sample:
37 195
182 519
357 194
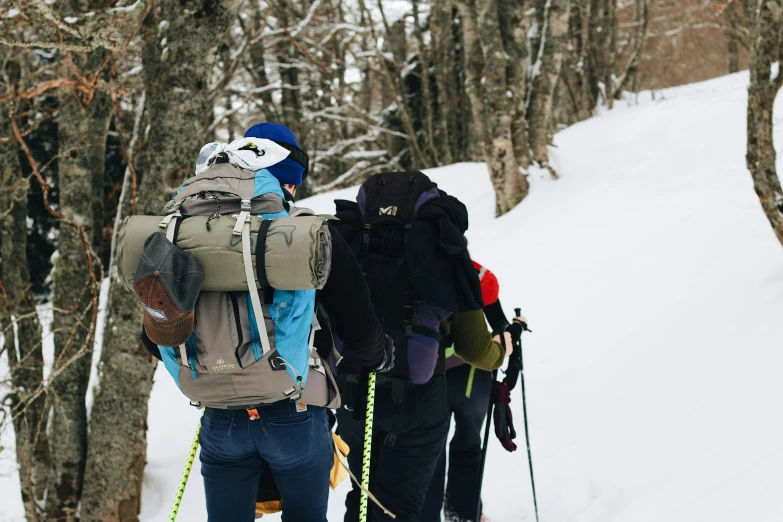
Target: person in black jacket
408 237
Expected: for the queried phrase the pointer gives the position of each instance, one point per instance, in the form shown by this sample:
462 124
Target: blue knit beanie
287 171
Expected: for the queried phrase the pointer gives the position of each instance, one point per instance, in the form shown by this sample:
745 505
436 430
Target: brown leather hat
167 282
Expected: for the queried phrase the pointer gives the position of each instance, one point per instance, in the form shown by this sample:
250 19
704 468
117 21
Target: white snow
654 286
103 299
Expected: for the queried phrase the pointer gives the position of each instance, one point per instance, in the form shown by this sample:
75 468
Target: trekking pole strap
185 475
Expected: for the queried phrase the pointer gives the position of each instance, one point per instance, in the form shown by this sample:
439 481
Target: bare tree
21 328
636 42
765 82
514 24
180 42
82 129
549 43
510 183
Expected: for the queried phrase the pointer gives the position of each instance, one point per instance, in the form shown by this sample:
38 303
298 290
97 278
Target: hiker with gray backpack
408 236
236 284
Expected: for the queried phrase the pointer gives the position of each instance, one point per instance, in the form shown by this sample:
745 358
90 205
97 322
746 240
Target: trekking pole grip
518 313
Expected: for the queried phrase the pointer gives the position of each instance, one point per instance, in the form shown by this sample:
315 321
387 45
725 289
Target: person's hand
388 356
521 321
505 342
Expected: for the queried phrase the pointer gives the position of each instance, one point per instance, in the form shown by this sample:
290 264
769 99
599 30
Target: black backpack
418 270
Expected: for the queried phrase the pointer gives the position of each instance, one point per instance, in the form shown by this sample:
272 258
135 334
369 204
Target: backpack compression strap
242 228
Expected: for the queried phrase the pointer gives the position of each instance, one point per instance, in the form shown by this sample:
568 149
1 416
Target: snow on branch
306 20
342 178
365 154
340 146
340 27
348 119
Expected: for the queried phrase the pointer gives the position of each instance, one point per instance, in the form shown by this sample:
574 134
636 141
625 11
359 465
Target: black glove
387 363
515 361
516 330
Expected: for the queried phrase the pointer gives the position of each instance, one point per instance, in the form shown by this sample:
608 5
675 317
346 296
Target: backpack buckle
245 205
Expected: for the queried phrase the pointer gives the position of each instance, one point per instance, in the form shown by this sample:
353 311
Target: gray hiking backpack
259 261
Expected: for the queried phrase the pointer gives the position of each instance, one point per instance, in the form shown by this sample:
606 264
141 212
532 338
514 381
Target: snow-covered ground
654 285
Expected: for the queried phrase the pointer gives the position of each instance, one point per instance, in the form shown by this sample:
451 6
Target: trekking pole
518 312
185 476
366 455
484 449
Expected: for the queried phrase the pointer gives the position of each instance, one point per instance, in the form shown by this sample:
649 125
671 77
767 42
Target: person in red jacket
468 393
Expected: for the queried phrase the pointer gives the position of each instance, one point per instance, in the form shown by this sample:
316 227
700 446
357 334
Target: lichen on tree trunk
82 130
493 108
514 29
762 91
176 81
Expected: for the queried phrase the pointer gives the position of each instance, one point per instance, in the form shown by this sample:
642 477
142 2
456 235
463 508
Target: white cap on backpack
246 153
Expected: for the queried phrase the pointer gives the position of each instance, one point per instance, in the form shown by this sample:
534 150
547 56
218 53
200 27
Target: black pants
464 450
400 473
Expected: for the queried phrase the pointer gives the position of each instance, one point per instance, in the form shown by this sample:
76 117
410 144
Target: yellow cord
185 475
367 447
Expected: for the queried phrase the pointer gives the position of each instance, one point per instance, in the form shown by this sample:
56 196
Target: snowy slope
654 286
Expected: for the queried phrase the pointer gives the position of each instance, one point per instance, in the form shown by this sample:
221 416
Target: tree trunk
258 65
733 52
765 50
544 75
579 73
426 68
474 67
493 109
176 80
23 344
82 129
642 18
514 30
609 28
443 49
394 41
510 184
597 38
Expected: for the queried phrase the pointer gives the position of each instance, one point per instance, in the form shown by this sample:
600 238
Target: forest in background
104 105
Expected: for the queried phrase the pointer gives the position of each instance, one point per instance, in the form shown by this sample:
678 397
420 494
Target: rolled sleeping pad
296 253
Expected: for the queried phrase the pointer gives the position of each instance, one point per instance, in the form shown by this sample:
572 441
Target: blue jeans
295 446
